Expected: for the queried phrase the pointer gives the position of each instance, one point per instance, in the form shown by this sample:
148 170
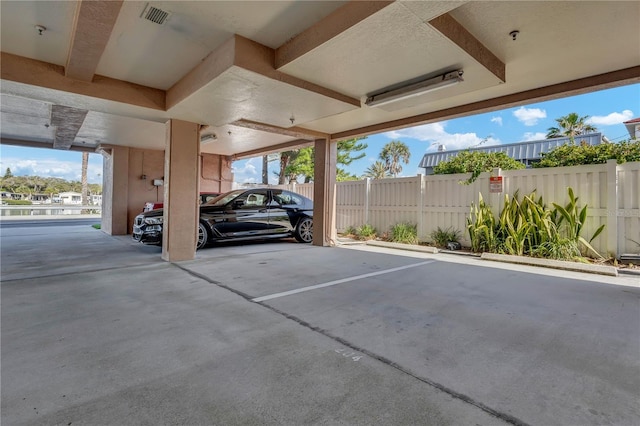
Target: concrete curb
400 246
555 264
521 260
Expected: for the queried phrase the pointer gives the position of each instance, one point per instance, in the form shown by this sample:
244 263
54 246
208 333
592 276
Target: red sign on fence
495 184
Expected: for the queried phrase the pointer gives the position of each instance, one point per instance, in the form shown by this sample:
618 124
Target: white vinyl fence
611 192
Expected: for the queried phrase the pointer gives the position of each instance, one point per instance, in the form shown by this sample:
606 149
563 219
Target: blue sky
607 110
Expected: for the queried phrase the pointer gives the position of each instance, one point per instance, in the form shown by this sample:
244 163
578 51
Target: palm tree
376 171
570 125
392 153
85 186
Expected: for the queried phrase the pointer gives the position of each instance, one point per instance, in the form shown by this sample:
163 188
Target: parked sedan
240 215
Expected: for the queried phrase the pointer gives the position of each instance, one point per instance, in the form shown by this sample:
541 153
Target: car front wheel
304 230
203 236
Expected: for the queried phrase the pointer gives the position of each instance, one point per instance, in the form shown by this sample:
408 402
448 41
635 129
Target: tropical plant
475 163
441 237
366 232
376 170
570 125
481 225
524 224
571 220
403 232
392 154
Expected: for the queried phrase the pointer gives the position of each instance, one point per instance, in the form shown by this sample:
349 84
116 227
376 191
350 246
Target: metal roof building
525 152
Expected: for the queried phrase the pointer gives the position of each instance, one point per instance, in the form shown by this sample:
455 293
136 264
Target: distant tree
302 165
392 154
377 171
8 173
301 162
475 163
570 125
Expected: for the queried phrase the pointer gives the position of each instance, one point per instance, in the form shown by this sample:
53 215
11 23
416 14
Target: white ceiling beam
67 122
286 146
451 29
94 22
328 28
295 132
42 74
249 55
30 143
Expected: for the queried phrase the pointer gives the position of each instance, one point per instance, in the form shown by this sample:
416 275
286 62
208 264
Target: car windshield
223 199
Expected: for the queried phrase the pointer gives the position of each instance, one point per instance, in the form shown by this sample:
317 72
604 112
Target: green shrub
441 237
475 163
366 232
576 155
406 233
350 230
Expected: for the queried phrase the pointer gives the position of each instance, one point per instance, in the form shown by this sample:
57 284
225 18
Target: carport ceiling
263 75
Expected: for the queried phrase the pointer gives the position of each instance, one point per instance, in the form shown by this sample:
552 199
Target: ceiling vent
155 15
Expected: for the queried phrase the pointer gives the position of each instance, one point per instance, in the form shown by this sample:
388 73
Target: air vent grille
155 15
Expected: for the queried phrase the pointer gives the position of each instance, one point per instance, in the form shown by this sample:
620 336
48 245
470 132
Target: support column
115 190
324 189
181 180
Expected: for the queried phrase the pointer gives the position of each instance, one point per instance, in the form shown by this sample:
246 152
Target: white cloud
497 120
529 116
611 119
68 170
530 136
245 171
437 135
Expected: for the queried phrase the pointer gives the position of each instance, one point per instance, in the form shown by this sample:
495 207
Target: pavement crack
457 395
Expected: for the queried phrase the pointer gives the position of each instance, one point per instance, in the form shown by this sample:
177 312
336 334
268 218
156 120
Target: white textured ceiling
558 42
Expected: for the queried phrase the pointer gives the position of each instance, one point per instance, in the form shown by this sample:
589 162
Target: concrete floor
98 330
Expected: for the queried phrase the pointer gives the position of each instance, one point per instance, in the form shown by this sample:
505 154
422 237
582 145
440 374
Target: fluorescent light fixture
208 138
415 89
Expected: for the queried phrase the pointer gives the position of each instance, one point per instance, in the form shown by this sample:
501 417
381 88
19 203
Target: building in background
633 127
525 152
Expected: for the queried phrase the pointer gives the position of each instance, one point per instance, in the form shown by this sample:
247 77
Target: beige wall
115 191
125 191
215 173
144 167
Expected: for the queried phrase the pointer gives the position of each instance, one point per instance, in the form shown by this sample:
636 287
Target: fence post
366 200
612 208
420 209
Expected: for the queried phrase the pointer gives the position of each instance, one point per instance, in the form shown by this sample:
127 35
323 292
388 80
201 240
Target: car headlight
153 220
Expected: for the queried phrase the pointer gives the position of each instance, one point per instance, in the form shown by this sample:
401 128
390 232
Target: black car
240 215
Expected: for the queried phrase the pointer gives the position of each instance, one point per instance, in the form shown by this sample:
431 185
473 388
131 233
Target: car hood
203 209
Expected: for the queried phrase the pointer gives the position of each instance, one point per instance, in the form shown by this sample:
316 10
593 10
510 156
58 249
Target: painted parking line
336 282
